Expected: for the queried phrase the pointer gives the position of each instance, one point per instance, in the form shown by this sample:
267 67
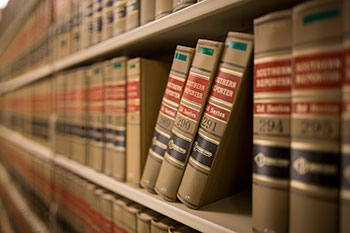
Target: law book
218 164
119 25
107 19
316 106
171 99
144 220
130 217
344 224
87 23
115 118
180 4
118 209
146 81
79 116
98 26
195 94
163 225
163 8
95 116
271 124
147 8
132 19
75 26
107 211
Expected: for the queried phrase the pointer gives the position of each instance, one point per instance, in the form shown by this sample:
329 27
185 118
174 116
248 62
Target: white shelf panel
26 144
34 222
229 215
25 78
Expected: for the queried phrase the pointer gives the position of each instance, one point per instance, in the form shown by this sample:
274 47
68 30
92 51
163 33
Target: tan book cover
147 8
194 97
95 116
107 212
79 116
180 4
144 220
108 19
171 99
115 118
163 8
119 204
345 129
132 19
146 81
75 27
163 225
87 23
98 25
271 123
315 132
218 164
119 25
130 217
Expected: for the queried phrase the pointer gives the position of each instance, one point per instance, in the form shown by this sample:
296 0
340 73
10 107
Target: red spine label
317 108
195 89
96 94
133 89
189 112
174 89
320 71
168 111
217 112
272 76
225 87
115 92
272 108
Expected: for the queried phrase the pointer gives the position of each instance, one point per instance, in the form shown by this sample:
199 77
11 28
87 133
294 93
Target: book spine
316 105
179 71
108 19
187 118
119 13
221 102
97 21
132 14
87 27
133 118
147 8
345 126
95 120
163 8
115 113
271 130
180 4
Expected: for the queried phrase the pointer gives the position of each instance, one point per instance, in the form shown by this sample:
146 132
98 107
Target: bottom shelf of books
74 192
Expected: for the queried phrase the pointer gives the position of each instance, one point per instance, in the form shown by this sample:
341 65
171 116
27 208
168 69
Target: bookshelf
232 214
24 215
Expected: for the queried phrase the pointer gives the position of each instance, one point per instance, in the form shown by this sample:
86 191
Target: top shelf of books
207 19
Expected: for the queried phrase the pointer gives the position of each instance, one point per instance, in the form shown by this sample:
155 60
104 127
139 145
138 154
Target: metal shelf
209 19
232 214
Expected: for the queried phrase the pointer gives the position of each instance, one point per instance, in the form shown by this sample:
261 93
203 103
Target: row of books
301 166
106 116
81 206
31 47
75 25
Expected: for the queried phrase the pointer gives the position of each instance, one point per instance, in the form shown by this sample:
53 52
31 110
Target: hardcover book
218 165
132 14
147 8
171 99
194 97
163 8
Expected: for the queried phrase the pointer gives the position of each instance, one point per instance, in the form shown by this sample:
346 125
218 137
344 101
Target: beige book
75 26
194 97
107 19
107 211
132 19
146 81
130 217
177 78
144 220
180 4
345 129
115 118
98 26
87 23
119 204
315 132
95 116
163 8
147 8
271 128
163 225
119 24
